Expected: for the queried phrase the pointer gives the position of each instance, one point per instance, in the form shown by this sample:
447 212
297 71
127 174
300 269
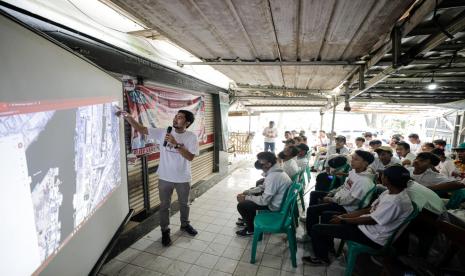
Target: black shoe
240 223
313 261
244 233
189 229
165 238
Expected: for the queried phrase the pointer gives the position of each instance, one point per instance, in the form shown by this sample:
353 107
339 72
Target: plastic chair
345 169
354 248
278 222
456 198
299 179
361 205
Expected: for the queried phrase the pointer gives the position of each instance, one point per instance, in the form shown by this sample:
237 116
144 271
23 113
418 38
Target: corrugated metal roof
293 30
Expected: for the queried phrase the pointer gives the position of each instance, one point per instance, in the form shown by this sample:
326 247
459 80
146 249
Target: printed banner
156 107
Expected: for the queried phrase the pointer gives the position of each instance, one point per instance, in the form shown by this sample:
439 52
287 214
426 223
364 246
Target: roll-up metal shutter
202 166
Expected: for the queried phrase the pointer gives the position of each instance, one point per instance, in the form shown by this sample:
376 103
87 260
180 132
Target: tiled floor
216 250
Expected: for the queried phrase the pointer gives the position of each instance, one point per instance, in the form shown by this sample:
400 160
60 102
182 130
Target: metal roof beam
275 105
271 63
281 98
275 89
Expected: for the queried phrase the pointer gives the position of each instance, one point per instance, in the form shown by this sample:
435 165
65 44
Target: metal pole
334 117
456 130
250 119
435 126
321 120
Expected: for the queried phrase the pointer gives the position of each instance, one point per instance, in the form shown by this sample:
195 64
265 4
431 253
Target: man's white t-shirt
268 131
377 165
425 198
389 211
356 186
290 167
447 167
173 167
415 148
410 156
429 178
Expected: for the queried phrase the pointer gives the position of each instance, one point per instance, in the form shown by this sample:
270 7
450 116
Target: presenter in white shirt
174 169
371 226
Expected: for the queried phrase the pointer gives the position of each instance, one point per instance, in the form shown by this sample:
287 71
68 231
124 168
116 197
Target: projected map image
69 161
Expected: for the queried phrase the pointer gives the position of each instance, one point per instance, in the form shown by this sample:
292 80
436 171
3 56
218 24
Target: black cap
365 155
337 161
433 158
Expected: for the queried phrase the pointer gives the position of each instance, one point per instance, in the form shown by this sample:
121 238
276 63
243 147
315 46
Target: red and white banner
156 107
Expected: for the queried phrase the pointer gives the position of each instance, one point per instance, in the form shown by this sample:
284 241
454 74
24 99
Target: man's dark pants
248 210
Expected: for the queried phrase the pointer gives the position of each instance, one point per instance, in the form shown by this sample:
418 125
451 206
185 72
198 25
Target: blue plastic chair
354 248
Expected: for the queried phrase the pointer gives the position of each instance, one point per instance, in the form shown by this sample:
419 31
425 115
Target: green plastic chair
456 198
345 169
354 248
364 202
278 222
299 179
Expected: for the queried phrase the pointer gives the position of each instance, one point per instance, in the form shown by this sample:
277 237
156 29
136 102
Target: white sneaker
304 238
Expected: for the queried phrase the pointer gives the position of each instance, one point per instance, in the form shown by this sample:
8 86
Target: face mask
281 155
258 165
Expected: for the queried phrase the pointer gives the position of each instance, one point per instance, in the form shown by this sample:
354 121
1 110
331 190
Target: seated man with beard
287 160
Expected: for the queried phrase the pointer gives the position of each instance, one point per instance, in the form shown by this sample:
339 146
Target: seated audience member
421 172
425 198
302 133
288 162
347 197
393 142
336 175
297 140
274 188
406 157
338 148
446 165
385 158
302 160
304 140
415 143
289 143
459 172
294 133
368 137
440 144
322 140
427 147
370 226
374 144
359 143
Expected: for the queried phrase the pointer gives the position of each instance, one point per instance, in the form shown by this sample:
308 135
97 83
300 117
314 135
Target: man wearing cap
270 134
385 159
347 197
302 160
459 163
422 173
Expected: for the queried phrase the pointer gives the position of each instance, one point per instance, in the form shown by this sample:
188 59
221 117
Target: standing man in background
177 149
270 134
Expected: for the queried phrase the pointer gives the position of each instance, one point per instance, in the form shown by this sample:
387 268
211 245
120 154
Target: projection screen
63 186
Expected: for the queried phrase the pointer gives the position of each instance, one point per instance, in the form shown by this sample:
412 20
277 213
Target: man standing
174 170
270 134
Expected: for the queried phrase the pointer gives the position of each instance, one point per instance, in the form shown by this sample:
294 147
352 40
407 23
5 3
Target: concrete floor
216 250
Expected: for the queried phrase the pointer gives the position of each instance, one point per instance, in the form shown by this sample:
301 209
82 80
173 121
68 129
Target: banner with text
156 107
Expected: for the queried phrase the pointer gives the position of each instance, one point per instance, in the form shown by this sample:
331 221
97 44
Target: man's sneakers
189 230
244 233
240 222
314 261
165 238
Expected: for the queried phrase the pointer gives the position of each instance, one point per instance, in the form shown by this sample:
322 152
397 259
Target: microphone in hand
168 130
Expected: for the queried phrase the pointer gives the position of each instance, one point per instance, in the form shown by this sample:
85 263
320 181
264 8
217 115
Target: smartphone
330 177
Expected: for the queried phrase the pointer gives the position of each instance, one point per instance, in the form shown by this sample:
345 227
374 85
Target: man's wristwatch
177 146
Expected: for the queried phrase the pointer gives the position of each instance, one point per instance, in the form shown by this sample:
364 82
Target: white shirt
275 185
302 162
410 156
429 178
173 167
353 190
415 148
425 198
377 165
273 132
389 211
290 167
447 167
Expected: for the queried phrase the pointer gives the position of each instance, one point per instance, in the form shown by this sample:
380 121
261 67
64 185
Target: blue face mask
258 165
